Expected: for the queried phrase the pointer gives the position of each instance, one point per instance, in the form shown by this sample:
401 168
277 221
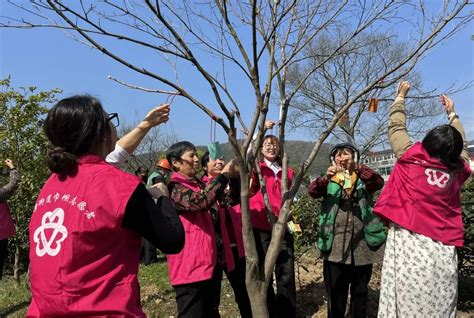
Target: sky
47 59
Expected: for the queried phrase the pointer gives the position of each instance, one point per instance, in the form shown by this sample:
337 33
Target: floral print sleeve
186 200
8 190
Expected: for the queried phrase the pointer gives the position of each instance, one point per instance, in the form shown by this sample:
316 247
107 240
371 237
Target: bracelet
451 116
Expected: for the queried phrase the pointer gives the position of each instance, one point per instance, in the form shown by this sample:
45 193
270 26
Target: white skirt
419 277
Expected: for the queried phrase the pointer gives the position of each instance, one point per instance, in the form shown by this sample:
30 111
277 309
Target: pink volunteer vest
423 197
82 261
229 215
258 210
198 257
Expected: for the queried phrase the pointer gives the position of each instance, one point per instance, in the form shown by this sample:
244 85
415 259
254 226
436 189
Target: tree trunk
16 265
257 291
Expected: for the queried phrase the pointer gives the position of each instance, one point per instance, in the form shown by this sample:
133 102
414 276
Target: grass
158 299
157 295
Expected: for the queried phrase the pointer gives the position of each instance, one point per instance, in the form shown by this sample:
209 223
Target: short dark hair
444 143
73 126
176 150
204 161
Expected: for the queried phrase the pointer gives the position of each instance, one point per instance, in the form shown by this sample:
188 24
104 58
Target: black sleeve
157 222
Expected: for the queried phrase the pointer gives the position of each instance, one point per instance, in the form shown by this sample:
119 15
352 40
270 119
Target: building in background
384 161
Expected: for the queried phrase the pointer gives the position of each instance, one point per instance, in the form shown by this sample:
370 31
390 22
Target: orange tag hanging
373 103
344 119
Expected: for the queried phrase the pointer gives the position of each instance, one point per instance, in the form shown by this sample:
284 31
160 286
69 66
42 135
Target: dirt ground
312 301
311 295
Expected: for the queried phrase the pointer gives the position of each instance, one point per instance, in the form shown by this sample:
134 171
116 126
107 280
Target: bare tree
152 147
354 67
259 42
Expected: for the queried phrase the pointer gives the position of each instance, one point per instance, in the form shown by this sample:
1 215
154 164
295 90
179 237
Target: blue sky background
48 59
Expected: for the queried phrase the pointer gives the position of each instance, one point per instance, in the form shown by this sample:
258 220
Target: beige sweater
398 134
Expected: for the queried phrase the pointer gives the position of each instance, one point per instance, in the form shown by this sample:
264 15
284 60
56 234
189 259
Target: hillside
298 151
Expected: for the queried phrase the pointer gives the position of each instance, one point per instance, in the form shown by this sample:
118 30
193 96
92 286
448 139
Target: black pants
148 253
237 281
337 278
195 300
284 303
3 254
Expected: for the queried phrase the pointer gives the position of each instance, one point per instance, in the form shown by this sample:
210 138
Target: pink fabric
83 262
258 211
197 259
7 227
423 197
235 216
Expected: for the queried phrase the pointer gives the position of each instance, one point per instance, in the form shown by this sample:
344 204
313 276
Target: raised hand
403 88
269 124
447 103
156 116
9 163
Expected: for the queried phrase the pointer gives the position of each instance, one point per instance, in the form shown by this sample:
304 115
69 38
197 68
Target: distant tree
152 147
357 65
22 139
230 49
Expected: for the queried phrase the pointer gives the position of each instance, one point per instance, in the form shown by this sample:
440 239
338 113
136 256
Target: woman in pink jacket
191 271
230 245
7 227
421 200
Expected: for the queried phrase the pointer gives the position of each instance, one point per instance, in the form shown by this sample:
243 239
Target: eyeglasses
114 119
270 146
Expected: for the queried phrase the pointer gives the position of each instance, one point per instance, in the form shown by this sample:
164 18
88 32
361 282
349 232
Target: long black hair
74 126
444 143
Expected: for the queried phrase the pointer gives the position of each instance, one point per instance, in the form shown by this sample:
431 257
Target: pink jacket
7 227
258 210
82 261
198 257
423 197
230 225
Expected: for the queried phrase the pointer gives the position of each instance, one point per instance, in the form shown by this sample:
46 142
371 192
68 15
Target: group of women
86 228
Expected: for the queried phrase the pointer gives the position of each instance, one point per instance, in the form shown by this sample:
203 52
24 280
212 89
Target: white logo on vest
50 221
437 178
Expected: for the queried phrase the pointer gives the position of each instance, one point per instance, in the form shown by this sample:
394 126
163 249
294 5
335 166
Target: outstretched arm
128 143
454 121
7 190
397 130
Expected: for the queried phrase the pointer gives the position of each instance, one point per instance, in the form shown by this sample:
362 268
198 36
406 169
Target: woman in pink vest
284 304
421 200
7 227
191 271
230 245
86 227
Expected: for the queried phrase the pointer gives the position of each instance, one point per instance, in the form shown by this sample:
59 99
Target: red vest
82 262
198 257
422 196
230 224
258 211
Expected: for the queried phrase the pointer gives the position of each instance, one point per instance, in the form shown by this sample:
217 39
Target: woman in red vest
421 200
191 271
86 227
